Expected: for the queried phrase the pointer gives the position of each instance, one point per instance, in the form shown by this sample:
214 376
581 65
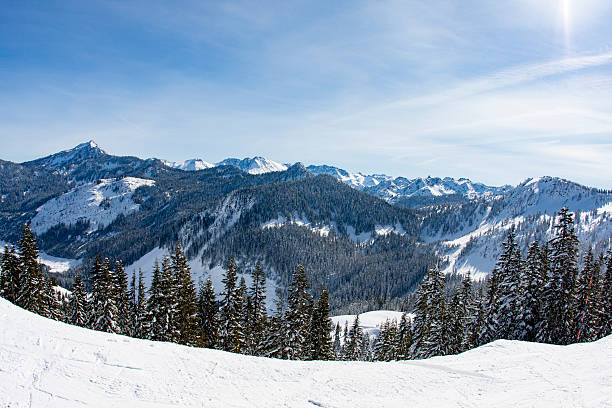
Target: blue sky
496 91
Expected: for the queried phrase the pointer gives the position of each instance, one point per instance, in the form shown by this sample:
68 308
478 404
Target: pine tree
337 342
185 321
386 345
104 309
141 328
298 316
606 298
160 305
207 313
11 274
430 326
32 282
230 330
258 314
587 294
51 301
121 297
276 332
559 293
533 278
321 347
353 348
404 339
79 315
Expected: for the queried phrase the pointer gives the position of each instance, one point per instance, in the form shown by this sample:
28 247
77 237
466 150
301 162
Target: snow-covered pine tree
230 330
11 274
321 347
141 328
588 309
207 314
533 278
79 315
299 305
353 347
477 324
185 327
122 298
51 302
404 338
32 282
160 303
386 342
606 296
104 309
242 305
337 342
276 331
429 324
559 292
258 318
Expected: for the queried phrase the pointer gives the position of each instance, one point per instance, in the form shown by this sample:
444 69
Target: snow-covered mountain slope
50 364
395 190
55 264
471 234
369 322
189 165
79 153
97 203
254 165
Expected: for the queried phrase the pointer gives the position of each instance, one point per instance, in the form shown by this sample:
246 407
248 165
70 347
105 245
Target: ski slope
44 363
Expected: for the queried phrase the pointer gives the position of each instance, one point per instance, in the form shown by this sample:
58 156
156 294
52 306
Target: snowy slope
254 165
99 203
44 363
189 165
55 264
472 243
370 322
83 151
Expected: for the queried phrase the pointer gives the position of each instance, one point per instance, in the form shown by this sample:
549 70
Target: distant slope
50 364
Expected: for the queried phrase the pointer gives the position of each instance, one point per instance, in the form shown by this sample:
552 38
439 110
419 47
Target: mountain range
369 238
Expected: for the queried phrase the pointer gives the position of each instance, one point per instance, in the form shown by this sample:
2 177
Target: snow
370 322
44 363
357 238
55 264
99 203
254 165
189 165
278 222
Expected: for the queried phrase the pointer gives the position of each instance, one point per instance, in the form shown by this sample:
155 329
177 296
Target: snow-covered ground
55 264
44 363
370 322
99 203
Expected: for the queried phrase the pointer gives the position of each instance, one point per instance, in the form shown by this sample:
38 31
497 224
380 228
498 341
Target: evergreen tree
430 326
353 348
31 280
51 307
338 342
588 309
186 327
104 309
122 298
11 275
276 333
404 338
141 328
533 278
161 304
298 316
230 330
606 297
78 304
559 293
207 313
386 345
258 315
320 329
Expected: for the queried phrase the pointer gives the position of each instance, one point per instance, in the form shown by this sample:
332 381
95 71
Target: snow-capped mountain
189 165
254 165
46 363
79 153
396 190
470 234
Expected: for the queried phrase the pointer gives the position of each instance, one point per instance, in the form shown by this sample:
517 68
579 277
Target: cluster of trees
172 310
544 297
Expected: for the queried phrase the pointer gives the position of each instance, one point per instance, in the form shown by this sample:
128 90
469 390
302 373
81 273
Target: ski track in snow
44 363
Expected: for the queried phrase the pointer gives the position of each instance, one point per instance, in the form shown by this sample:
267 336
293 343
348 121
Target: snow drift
44 363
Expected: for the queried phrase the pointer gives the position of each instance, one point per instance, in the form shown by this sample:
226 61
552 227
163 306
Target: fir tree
430 326
559 293
276 333
11 274
353 348
207 314
31 280
160 305
533 278
141 329
588 302
404 338
606 297
338 342
230 330
185 320
258 316
122 298
104 309
320 329
298 316
79 315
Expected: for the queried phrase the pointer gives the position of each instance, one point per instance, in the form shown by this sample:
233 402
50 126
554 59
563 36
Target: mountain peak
254 165
79 153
